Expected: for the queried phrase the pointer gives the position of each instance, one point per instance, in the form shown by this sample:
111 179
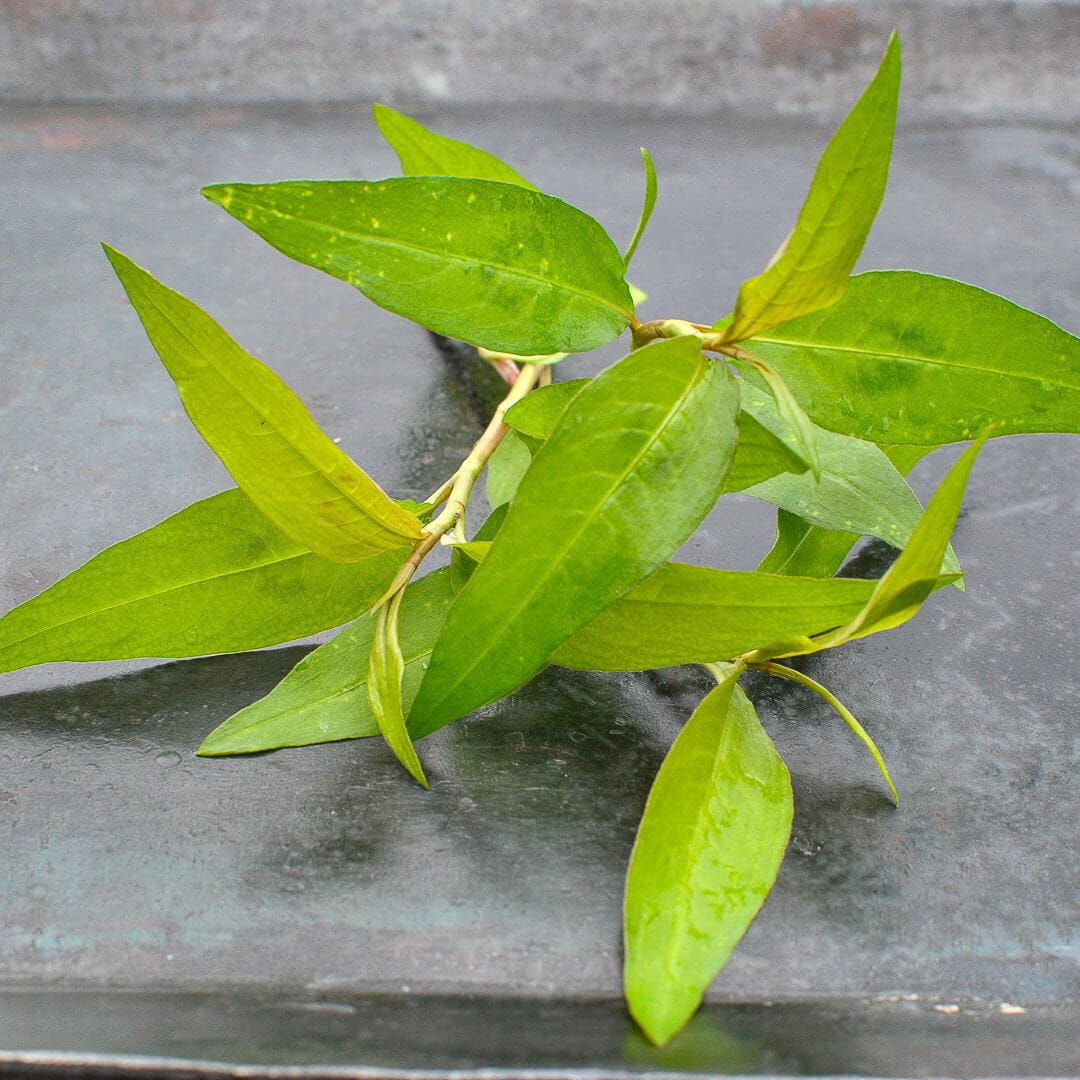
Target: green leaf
693 615
424 153
758 455
325 696
811 269
386 669
860 490
505 469
636 462
710 843
805 550
802 429
492 264
534 417
914 575
909 358
263 434
646 209
216 577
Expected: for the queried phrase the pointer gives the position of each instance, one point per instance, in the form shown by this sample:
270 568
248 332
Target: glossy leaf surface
633 466
496 265
264 436
711 840
860 490
216 577
759 454
811 269
422 152
694 614
907 358
806 550
325 698
911 579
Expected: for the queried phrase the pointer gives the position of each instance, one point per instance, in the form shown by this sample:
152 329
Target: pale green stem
782 672
452 516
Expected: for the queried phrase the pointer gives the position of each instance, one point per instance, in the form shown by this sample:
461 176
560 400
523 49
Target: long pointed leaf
263 434
635 463
646 207
907 358
493 264
325 698
216 577
693 615
422 152
708 849
811 269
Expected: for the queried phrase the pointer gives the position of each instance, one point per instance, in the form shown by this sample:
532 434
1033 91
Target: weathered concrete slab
973 58
322 872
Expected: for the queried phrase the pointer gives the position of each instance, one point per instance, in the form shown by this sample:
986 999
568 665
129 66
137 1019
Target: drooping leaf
693 615
802 430
914 575
325 698
634 464
386 669
860 491
907 358
845 714
422 152
805 550
646 208
216 577
492 264
710 843
811 269
263 434
505 469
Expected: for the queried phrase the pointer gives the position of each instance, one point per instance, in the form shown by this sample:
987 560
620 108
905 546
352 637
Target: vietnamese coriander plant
817 394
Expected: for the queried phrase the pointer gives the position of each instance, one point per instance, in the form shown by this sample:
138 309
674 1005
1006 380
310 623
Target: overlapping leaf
423 152
860 491
325 696
711 840
693 615
907 358
216 577
910 580
634 464
759 454
263 434
811 269
493 264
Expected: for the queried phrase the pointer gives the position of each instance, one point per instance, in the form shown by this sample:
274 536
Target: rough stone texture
990 59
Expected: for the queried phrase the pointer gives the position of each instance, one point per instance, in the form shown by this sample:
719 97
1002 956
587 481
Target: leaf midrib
912 359
194 582
371 238
368 512
573 539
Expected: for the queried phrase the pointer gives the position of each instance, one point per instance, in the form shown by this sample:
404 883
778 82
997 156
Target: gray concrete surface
323 873
990 59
